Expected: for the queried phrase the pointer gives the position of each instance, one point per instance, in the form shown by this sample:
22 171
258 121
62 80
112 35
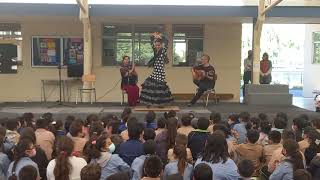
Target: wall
311 71
222 42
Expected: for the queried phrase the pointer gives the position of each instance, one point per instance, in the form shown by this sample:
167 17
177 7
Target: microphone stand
60 103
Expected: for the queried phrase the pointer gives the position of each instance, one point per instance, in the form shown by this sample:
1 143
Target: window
316 47
9 60
131 40
187 44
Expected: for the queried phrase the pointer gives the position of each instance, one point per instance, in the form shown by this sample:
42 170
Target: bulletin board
46 51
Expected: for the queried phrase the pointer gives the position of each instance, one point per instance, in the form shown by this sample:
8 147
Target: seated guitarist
203 77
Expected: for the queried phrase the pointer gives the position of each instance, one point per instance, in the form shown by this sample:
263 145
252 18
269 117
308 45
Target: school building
119 30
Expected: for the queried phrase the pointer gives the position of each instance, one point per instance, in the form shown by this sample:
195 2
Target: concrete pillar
87 40
256 42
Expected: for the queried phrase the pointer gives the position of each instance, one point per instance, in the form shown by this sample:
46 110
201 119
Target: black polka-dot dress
155 90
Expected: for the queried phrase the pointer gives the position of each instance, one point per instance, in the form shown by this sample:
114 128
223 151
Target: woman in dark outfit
155 90
129 81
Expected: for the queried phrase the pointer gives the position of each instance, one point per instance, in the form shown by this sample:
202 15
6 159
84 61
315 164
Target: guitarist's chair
207 93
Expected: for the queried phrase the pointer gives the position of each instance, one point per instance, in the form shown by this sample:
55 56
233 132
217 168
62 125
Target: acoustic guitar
197 73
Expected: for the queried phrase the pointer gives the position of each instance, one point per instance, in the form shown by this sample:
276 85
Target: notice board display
72 51
46 51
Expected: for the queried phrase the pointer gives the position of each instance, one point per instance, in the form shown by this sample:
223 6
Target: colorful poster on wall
72 51
46 51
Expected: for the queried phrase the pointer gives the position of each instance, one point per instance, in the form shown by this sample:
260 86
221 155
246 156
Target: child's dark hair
149 147
288 134
316 123
172 125
299 122
233 117
96 129
215 117
76 128
186 120
28 173
181 154
63 148
244 117
68 122
150 117
126 114
202 172
12 124
135 129
314 141
275 136
246 168
222 128
149 133
48 116
280 123
28 118
175 177
114 124
42 123
263 116
265 126
254 123
203 123
170 114
119 176
161 123
216 149
301 174
90 172
282 115
19 152
58 125
152 166
28 132
94 146
292 149
181 139
253 136
108 118
91 118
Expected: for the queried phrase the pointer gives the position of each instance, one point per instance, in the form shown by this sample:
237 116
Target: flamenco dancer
155 91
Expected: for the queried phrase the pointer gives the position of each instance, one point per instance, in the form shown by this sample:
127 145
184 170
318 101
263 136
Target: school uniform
110 164
269 150
172 168
253 152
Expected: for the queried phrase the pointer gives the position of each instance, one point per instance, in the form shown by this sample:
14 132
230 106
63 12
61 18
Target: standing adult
155 90
247 74
265 69
129 81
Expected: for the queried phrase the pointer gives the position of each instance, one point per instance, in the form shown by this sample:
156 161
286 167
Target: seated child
246 169
202 172
90 172
215 118
273 144
150 120
152 168
240 128
251 151
181 140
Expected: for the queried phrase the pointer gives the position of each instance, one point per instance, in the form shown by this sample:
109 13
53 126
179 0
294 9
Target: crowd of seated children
160 147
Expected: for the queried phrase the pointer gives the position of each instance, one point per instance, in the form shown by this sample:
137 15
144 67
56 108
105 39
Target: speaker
75 70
